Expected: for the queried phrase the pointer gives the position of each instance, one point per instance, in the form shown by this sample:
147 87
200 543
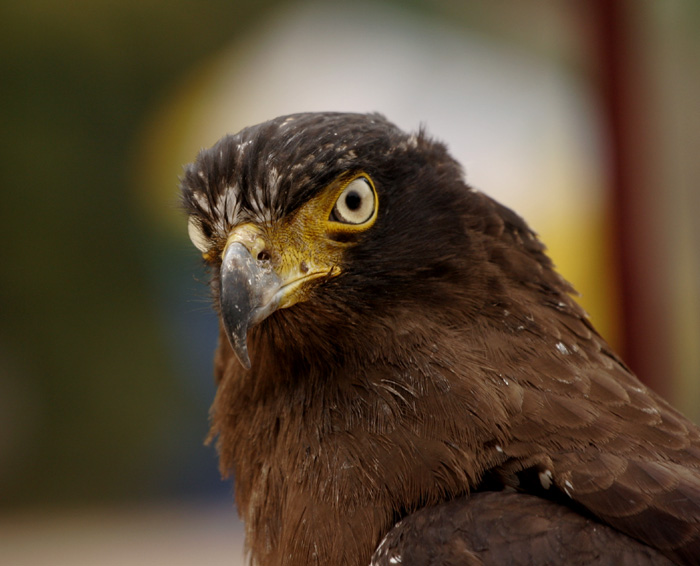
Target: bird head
332 215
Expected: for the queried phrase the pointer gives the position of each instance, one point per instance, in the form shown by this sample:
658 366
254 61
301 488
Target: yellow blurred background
582 116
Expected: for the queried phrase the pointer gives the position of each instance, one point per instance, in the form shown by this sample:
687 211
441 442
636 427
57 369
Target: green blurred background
106 334
95 401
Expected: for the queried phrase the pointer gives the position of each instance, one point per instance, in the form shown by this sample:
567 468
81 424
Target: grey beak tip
243 357
237 336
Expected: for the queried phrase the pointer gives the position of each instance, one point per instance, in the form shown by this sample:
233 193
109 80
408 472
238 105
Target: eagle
404 378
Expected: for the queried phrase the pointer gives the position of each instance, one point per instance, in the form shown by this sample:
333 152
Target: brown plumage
509 528
392 340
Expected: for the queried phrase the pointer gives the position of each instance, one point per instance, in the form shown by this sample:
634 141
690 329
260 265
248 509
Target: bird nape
404 378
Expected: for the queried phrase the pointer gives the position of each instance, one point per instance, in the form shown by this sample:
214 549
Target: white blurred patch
526 135
546 479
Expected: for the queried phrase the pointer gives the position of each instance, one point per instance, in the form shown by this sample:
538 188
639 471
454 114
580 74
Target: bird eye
194 229
356 203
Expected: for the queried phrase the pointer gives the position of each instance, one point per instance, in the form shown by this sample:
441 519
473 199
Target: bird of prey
403 377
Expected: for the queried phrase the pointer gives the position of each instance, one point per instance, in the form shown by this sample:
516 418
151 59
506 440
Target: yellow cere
307 245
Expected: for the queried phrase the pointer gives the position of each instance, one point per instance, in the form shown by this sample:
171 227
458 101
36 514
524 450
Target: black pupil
353 200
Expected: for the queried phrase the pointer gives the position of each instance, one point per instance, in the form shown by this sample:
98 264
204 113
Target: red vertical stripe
623 77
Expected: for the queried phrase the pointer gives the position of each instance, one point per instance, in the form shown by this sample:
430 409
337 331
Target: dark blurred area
106 333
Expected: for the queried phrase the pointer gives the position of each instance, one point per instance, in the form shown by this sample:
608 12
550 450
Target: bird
402 376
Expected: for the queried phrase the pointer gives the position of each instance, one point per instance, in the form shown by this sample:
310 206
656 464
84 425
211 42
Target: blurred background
581 115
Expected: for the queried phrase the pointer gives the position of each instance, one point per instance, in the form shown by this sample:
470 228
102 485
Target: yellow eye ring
356 204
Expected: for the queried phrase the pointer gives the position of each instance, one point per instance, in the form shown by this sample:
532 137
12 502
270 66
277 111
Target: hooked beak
250 292
260 275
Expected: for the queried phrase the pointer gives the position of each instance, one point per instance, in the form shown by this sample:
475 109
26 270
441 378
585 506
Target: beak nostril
264 255
303 267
